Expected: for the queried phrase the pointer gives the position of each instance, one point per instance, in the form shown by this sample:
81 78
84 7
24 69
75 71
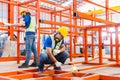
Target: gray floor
13 66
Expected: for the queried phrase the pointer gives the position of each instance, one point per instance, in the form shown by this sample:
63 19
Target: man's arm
16 24
49 52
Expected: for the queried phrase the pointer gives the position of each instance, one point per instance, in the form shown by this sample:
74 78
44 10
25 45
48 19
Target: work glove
56 52
58 64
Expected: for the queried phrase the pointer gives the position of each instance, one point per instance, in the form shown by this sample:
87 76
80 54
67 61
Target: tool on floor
48 67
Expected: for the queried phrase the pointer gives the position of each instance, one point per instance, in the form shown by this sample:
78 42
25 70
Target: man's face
58 37
23 14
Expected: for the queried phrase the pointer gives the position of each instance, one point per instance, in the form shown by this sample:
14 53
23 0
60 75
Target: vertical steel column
111 47
92 44
116 44
18 39
38 18
55 20
85 47
100 46
71 40
107 9
92 22
11 19
51 18
75 23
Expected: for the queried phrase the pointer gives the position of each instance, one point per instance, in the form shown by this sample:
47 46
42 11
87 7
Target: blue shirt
48 43
27 20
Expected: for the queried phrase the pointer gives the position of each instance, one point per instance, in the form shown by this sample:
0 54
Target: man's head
23 13
62 32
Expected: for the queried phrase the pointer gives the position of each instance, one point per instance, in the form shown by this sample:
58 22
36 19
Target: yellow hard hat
21 11
63 31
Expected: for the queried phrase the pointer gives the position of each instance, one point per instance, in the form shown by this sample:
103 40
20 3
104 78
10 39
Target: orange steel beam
111 47
9 2
22 76
116 45
88 17
92 46
38 17
1 23
45 78
100 47
71 40
60 24
11 20
102 26
18 40
107 9
100 5
4 59
85 46
97 66
91 77
75 22
108 77
26 2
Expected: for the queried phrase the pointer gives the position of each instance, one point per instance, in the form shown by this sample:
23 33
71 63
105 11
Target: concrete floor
13 66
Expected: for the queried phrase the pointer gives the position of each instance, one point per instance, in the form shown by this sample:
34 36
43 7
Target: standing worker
54 50
30 28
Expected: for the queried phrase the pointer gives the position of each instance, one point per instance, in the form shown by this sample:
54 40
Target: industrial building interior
93 40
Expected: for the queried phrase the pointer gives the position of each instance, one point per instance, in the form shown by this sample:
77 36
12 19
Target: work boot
24 65
57 68
33 64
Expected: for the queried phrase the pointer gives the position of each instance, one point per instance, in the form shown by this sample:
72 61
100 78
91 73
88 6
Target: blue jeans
30 47
45 59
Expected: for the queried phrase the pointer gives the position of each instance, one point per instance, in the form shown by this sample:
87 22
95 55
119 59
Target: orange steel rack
54 75
52 18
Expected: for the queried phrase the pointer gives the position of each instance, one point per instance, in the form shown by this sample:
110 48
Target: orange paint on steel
116 45
100 46
92 77
108 77
61 24
88 17
111 47
18 39
22 76
71 40
93 46
75 22
11 20
1 23
38 24
85 46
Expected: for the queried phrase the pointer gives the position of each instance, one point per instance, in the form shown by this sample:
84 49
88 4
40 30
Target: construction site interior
93 41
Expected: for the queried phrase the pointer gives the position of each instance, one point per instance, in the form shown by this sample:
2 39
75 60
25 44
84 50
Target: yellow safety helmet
63 31
21 11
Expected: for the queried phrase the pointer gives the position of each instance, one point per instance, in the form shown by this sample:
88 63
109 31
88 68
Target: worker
30 28
54 50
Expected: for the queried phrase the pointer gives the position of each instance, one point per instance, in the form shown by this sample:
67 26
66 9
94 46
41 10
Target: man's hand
58 64
56 52
7 24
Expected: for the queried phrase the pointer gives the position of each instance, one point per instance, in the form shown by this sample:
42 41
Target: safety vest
32 26
54 45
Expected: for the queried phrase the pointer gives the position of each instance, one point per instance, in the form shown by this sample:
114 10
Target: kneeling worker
54 50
